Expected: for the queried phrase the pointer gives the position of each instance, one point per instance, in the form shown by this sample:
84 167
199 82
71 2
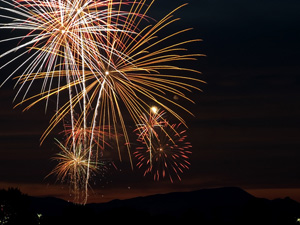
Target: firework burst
170 153
72 167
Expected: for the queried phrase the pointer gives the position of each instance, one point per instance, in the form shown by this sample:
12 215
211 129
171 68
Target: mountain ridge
226 205
209 196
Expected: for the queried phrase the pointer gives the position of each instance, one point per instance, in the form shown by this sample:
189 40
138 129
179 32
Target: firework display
103 61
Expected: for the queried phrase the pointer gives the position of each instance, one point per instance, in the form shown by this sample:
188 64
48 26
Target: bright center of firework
154 109
160 149
106 73
62 30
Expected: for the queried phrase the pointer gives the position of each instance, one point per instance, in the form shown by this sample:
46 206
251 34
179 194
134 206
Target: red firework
170 153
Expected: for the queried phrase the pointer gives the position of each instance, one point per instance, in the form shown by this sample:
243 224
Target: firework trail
170 153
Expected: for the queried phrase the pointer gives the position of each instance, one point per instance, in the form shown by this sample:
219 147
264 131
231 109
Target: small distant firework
170 153
72 167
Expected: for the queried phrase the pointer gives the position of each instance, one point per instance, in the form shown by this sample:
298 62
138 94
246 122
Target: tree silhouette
15 208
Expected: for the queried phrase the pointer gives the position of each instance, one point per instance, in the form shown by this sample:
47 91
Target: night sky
245 131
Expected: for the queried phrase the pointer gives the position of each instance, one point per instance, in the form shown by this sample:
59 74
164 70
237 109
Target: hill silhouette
229 205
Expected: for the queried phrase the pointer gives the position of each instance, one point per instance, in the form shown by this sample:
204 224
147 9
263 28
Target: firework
75 137
72 167
170 154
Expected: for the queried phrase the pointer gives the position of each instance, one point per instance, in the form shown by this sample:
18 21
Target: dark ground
230 205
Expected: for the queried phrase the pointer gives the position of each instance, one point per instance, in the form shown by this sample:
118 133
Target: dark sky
246 127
